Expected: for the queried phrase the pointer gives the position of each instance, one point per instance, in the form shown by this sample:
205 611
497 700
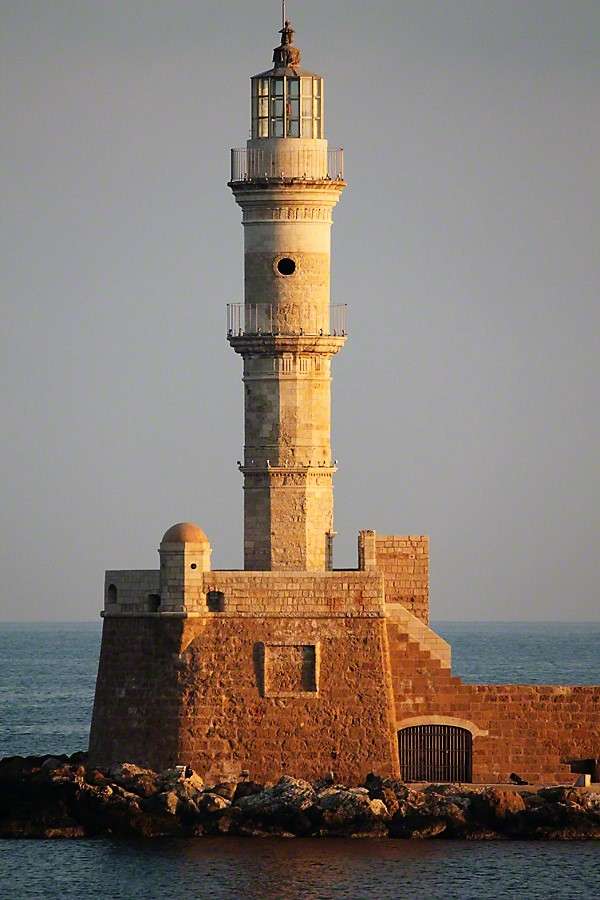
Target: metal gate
436 753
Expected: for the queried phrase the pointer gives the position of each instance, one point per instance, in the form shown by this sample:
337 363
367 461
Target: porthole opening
193 566
286 266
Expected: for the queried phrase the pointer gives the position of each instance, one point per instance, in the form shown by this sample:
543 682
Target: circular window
193 566
286 266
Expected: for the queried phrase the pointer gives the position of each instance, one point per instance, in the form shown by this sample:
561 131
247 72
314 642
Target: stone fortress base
308 673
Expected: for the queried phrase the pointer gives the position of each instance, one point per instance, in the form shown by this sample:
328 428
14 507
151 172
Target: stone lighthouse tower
287 183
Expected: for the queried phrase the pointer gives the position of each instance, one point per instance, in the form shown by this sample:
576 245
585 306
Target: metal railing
277 165
290 319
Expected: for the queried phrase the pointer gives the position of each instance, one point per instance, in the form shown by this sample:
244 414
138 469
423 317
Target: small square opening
215 601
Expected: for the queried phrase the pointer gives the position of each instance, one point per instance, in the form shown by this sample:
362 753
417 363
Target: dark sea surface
47 675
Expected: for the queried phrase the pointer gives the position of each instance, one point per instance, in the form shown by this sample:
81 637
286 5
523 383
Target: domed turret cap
184 533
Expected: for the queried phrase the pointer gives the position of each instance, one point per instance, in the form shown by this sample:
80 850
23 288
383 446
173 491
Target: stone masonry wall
311 672
404 562
258 593
302 696
533 730
137 706
264 694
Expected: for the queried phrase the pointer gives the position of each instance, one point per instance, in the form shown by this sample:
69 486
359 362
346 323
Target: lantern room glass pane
287 107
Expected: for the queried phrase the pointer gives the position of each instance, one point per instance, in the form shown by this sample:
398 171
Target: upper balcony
289 161
286 320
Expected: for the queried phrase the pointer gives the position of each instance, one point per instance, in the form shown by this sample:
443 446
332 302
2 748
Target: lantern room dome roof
184 533
286 57
288 71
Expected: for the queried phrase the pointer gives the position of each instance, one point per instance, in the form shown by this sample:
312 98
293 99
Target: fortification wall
252 593
131 591
137 706
311 672
403 561
533 730
264 694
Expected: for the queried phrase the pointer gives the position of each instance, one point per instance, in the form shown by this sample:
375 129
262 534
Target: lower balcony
246 319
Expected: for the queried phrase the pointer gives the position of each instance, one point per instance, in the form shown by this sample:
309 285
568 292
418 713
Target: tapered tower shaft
287 183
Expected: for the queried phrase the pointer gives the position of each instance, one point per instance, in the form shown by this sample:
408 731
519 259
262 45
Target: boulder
104 810
352 812
341 807
53 763
226 789
591 803
420 828
169 801
561 814
379 810
288 795
283 807
174 779
18 768
211 803
431 812
37 809
247 789
95 777
136 779
391 791
79 758
496 807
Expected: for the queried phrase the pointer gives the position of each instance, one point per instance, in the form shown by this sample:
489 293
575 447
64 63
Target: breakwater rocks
63 797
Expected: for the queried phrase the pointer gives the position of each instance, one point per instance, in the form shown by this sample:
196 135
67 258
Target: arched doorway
438 753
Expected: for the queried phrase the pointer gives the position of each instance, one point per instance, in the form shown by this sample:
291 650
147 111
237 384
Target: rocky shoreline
63 797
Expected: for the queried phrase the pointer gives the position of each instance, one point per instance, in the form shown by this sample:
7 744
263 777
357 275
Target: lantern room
287 106
287 102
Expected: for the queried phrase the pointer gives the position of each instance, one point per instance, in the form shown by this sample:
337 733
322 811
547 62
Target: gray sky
467 245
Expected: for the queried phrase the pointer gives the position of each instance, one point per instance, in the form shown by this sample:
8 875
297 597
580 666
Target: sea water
47 675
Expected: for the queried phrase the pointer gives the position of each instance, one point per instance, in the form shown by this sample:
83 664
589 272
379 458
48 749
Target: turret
185 554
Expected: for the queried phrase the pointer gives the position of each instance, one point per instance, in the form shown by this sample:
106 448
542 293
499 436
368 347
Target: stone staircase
418 671
423 684
420 633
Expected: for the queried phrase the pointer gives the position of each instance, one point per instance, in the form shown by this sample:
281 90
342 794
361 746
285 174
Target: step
418 633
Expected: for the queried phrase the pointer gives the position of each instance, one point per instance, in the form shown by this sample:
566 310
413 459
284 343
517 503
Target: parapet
392 569
403 560
343 594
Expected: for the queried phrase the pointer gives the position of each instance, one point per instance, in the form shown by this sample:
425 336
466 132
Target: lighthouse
287 183
291 667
